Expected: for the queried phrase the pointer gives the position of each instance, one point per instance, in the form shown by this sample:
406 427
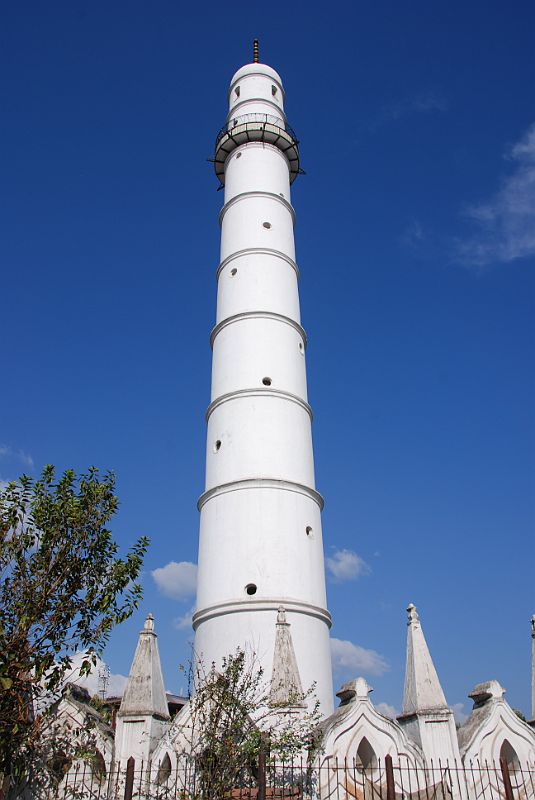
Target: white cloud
506 221
8 452
413 236
116 683
458 713
345 565
177 579
348 656
185 621
387 710
421 103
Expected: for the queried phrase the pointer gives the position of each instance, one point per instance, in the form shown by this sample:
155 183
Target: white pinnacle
286 689
422 691
533 667
145 693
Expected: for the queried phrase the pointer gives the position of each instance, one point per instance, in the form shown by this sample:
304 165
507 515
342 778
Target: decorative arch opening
509 755
99 766
59 765
366 758
164 770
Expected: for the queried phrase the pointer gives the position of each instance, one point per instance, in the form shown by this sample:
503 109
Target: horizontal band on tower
278 109
240 606
257 315
261 483
245 195
257 251
258 391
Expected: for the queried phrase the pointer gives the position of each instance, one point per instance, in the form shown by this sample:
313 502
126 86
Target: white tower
260 544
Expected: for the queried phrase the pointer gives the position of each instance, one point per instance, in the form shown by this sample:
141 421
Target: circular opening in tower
238 155
301 347
217 445
233 271
266 381
250 588
308 530
267 225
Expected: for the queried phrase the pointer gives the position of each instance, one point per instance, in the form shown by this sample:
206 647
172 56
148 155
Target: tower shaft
260 544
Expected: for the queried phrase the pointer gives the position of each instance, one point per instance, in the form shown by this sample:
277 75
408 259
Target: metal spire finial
255 51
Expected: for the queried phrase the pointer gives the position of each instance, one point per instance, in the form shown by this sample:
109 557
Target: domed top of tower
256 83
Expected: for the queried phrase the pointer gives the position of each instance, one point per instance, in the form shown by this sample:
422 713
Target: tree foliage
232 722
63 588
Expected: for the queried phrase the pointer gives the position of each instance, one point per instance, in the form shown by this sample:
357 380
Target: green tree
233 720
63 588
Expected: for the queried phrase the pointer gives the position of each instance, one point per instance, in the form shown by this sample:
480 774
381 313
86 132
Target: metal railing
244 119
324 779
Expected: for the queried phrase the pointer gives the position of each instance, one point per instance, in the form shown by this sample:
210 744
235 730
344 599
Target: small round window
251 588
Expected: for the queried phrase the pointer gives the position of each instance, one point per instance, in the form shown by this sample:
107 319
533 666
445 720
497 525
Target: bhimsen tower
261 570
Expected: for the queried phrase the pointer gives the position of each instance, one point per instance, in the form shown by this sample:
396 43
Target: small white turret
143 714
422 690
426 716
286 690
533 667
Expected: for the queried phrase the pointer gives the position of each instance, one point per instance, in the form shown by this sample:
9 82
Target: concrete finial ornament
281 616
412 613
149 623
533 625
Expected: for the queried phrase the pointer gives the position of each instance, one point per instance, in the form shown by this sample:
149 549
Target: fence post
506 779
262 772
390 787
129 782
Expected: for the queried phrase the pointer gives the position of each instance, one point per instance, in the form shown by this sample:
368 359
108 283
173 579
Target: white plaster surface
258 280
422 690
255 348
261 522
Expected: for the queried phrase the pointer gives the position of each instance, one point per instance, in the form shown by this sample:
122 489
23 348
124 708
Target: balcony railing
267 119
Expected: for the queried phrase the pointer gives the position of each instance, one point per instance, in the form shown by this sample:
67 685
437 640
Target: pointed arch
164 770
99 766
509 755
366 757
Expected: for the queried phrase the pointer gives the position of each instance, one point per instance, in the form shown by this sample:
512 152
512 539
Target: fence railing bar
298 778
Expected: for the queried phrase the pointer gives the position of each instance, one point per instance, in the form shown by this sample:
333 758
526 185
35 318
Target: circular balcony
256 128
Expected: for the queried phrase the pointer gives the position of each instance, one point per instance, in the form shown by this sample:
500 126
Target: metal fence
325 779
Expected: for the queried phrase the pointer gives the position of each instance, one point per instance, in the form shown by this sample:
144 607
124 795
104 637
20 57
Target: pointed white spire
533 667
145 693
286 689
422 691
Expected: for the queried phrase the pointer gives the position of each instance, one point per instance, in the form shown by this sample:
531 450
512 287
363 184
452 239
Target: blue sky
416 243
